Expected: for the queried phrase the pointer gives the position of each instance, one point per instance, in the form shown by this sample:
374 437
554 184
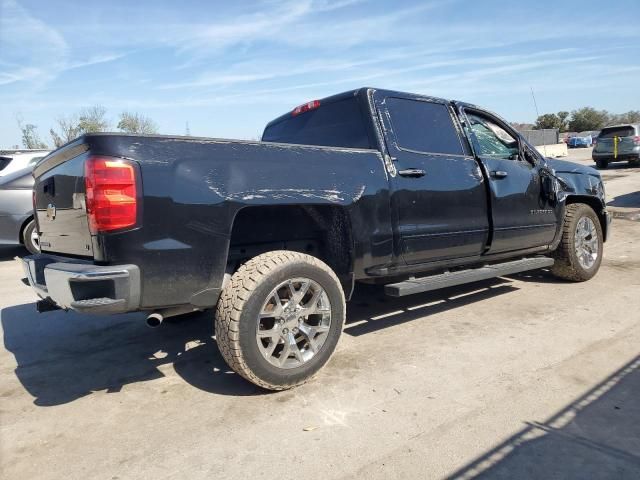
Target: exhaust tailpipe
154 320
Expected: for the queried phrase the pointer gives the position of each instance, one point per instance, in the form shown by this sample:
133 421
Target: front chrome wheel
293 323
586 243
30 238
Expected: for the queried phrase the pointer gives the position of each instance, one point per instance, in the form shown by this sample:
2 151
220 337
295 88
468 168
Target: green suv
617 143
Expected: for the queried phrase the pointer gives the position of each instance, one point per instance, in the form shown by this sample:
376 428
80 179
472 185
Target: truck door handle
499 174
412 172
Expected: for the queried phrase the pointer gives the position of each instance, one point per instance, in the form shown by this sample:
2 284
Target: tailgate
60 208
624 145
604 145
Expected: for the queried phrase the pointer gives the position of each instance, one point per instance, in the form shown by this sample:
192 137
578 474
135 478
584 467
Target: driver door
521 215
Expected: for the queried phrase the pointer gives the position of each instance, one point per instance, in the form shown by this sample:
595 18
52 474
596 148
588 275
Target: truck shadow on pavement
62 356
596 436
628 200
371 310
9 253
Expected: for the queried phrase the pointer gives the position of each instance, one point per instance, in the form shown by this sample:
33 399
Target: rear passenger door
438 194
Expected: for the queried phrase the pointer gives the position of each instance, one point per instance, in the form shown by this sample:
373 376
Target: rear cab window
338 123
423 126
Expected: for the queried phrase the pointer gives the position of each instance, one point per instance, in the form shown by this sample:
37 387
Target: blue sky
229 67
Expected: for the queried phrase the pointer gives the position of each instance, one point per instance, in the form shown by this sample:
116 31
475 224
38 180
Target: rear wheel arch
323 231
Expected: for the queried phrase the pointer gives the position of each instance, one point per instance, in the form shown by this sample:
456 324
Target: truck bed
192 189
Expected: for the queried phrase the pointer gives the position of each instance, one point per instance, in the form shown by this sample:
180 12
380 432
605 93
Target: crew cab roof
363 91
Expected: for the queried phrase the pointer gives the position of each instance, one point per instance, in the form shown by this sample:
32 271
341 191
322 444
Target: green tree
548 120
553 120
68 130
93 119
30 137
88 120
136 123
632 116
564 120
588 118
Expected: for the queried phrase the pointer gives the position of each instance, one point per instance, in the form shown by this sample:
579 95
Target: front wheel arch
597 206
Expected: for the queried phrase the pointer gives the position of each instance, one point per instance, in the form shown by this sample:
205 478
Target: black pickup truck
410 191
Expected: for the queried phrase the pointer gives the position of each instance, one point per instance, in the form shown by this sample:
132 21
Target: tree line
94 119
88 120
586 118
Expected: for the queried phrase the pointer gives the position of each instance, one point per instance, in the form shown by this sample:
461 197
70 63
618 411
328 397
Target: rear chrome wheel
293 323
279 318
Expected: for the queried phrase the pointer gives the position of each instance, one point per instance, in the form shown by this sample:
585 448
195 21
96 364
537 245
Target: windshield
20 179
336 124
4 161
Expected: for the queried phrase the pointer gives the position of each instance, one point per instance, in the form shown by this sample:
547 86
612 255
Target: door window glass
424 127
491 139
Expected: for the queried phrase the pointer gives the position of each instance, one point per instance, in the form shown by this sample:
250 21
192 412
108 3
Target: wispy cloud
29 48
96 59
201 40
33 51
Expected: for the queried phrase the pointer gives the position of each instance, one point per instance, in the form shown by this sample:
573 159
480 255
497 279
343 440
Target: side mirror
529 156
549 185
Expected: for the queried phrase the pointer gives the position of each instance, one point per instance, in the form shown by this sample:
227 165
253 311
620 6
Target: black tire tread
231 303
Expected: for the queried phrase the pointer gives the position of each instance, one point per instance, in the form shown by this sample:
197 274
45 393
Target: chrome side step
450 279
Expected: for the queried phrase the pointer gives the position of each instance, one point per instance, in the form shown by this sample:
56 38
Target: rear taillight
111 194
636 139
312 105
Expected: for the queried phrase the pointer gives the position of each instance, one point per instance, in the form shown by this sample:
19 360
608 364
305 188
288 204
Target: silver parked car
14 160
16 210
617 143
